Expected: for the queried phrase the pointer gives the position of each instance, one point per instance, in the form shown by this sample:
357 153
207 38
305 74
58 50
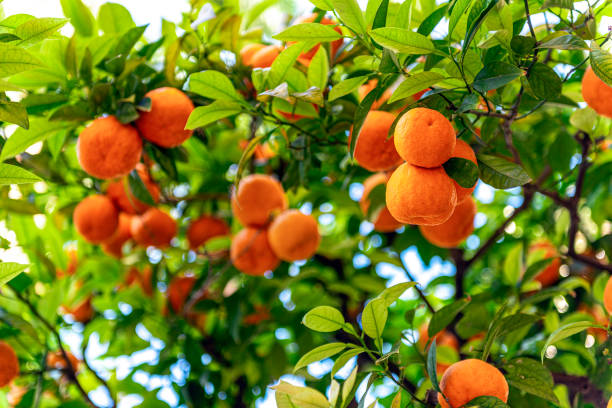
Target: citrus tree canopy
293 204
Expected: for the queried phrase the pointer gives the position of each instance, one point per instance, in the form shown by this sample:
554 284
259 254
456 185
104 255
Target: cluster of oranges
262 56
418 190
109 150
272 232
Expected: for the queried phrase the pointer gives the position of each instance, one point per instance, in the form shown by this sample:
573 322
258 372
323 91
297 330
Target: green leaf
567 4
7 86
463 171
457 12
19 141
285 60
322 4
585 119
346 87
377 201
14 59
566 331
544 81
495 75
380 18
502 326
10 174
309 31
513 264
205 115
565 42
391 294
535 268
292 396
324 319
344 358
348 385
114 18
443 317
350 14
522 45
127 41
8 270
38 29
486 402
532 377
80 17
139 189
213 85
601 62
432 366
415 83
319 353
501 173
374 318
318 70
13 112
478 13
402 41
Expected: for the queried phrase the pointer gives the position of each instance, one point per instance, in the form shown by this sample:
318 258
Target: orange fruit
71 267
369 87
443 338
424 137
143 278
119 192
178 292
420 196
114 245
251 252
248 51
264 57
468 379
262 313
456 229
205 228
257 198
263 151
596 93
464 151
56 361
108 149
384 220
600 318
374 149
82 312
96 218
153 228
307 56
165 123
9 363
608 296
549 275
294 235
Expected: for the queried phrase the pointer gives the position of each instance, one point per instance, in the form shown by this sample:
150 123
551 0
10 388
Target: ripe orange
420 196
119 192
165 124
178 291
307 56
599 316
374 150
9 363
248 51
82 312
257 198
263 151
251 252
153 228
456 229
262 313
294 235
384 221
469 379
464 151
608 296
265 56
596 93
114 245
205 228
56 361
443 338
143 278
549 275
108 149
369 87
424 137
96 218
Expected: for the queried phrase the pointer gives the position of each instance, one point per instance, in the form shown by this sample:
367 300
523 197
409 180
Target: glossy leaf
495 75
205 115
318 354
415 83
308 31
402 40
463 171
10 174
324 319
501 173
